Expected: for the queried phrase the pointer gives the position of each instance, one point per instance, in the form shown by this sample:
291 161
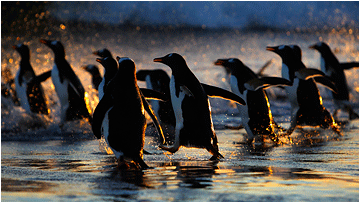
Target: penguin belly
291 92
21 93
61 89
101 88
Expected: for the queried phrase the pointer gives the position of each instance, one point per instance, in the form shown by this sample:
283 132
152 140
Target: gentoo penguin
306 103
333 69
95 75
110 69
27 84
68 87
194 127
256 116
159 80
120 115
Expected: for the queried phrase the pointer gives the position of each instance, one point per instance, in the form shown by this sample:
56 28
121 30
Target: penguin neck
110 69
287 73
59 57
328 58
25 63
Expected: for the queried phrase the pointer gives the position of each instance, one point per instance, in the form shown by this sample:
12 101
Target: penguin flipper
262 69
99 113
67 71
213 91
349 65
307 73
153 94
327 83
153 117
43 76
266 82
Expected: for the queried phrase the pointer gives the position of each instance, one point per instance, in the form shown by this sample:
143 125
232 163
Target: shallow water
46 164
76 170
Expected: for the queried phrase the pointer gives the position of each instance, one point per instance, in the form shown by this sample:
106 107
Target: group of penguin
179 105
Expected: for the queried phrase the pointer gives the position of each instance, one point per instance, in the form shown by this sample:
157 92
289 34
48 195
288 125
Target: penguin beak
47 42
158 60
96 52
271 49
99 60
312 47
220 62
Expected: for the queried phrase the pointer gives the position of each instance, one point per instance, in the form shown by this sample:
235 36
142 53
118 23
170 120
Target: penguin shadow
120 185
255 147
193 174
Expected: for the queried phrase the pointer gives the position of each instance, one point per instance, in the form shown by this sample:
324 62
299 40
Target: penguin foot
216 154
169 149
234 127
122 165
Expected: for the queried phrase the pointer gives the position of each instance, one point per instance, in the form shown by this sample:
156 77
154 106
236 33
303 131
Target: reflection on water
11 185
322 171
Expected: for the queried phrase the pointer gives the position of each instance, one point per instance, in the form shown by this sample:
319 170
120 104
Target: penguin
28 86
68 87
306 103
194 127
256 116
331 66
96 78
120 115
159 80
110 69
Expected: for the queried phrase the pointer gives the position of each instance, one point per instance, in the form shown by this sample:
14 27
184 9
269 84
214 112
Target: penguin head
158 78
322 47
23 50
103 53
107 62
231 64
126 64
92 69
236 67
55 46
297 51
286 53
173 60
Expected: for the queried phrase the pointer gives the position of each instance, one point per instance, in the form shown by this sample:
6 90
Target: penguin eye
231 61
281 47
54 43
170 55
